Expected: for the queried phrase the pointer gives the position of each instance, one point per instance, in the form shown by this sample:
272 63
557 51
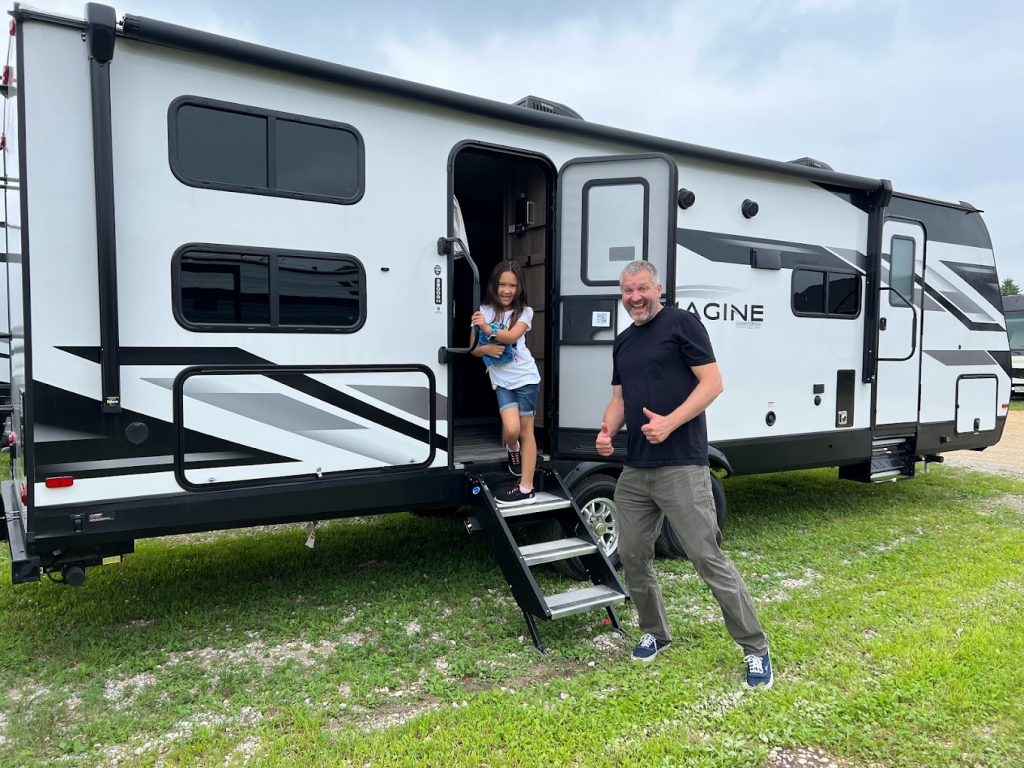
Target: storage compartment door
302 423
976 404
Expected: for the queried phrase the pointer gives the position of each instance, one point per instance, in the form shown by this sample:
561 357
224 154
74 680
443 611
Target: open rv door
610 211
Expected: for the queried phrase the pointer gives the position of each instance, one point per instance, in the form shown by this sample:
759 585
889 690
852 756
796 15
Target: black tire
668 543
595 495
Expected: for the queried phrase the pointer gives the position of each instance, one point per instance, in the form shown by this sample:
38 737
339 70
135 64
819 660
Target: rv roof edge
163 33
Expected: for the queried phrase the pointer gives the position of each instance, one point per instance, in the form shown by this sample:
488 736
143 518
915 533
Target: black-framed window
901 271
230 288
826 293
615 217
219 145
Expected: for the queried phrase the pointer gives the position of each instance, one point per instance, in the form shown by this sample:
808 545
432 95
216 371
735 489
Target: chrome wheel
600 513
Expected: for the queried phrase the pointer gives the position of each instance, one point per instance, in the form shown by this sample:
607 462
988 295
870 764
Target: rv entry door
610 211
899 324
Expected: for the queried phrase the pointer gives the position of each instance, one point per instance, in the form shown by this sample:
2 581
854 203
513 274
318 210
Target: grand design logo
749 315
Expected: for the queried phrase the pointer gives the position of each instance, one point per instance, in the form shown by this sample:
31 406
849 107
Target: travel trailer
1013 306
240 297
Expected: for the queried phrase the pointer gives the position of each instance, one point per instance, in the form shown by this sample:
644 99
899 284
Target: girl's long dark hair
519 303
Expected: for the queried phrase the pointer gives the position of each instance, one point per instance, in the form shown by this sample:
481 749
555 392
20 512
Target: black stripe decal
944 224
981 278
735 249
188 356
109 442
953 310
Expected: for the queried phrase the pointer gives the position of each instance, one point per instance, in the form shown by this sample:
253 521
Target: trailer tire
668 544
595 496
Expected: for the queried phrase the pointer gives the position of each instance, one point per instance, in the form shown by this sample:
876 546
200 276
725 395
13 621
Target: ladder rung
886 475
878 443
559 549
579 600
542 502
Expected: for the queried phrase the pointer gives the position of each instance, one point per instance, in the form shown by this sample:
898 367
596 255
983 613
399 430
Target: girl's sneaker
514 495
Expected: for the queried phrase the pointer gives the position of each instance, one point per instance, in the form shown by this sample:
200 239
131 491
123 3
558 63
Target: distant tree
1009 287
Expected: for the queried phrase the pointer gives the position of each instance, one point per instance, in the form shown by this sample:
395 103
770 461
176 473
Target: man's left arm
709 386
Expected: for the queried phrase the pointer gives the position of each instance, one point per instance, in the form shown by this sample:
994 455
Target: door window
615 217
901 272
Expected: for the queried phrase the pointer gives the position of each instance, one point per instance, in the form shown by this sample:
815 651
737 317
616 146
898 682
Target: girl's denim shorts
524 398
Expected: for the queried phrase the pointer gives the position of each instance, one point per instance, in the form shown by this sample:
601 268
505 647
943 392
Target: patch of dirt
1004 458
123 692
119 754
266 656
803 757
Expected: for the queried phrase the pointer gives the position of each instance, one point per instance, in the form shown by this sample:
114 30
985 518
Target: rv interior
505 200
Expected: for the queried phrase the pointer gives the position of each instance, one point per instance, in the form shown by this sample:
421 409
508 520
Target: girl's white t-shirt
522 369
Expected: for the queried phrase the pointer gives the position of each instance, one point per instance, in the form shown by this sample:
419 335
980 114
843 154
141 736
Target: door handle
881 324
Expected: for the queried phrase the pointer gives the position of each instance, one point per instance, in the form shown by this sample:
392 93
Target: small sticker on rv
601 320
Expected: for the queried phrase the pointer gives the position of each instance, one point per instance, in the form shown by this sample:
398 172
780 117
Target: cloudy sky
927 93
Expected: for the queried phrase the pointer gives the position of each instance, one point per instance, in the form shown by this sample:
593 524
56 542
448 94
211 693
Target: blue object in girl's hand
502 359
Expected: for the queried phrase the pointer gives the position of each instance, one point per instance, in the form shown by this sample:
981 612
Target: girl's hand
493 350
479 322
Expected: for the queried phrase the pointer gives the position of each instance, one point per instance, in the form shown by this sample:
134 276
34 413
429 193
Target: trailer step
893 457
541 502
579 600
553 551
554 504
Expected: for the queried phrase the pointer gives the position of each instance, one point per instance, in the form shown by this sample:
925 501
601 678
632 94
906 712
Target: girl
502 323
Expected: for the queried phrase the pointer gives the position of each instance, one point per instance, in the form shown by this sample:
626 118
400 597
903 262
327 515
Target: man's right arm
614 418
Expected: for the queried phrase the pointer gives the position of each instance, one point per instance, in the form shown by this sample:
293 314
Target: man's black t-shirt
652 363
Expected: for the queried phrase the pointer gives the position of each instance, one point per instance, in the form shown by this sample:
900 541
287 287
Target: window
823 293
224 288
615 216
217 145
901 272
1015 330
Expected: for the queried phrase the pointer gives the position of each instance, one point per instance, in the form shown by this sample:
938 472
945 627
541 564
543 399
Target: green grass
1017 404
893 612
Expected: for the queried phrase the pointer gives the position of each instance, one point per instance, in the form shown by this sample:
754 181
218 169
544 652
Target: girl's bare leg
528 445
510 427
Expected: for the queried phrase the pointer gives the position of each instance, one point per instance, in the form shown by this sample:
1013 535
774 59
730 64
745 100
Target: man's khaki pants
643 497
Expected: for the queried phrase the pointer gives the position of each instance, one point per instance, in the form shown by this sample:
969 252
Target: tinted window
318 291
843 294
616 229
808 291
1015 330
242 149
222 147
225 289
316 160
901 272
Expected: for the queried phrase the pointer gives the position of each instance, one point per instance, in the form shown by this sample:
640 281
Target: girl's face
508 287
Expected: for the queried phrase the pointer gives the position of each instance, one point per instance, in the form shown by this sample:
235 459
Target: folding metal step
579 600
893 457
559 549
552 503
542 502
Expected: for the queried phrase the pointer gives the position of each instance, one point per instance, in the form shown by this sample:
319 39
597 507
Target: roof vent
546 105
810 162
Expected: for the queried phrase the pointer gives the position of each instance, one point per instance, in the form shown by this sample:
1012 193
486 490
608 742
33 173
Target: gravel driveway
1004 458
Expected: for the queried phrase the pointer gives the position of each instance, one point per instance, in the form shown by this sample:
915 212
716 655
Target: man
664 376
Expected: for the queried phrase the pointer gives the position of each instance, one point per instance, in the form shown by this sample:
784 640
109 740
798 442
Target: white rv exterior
1013 306
208 343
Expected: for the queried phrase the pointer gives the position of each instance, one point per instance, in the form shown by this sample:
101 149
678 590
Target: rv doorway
506 199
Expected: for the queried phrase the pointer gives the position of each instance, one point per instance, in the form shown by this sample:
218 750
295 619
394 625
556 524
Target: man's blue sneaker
649 647
759 671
